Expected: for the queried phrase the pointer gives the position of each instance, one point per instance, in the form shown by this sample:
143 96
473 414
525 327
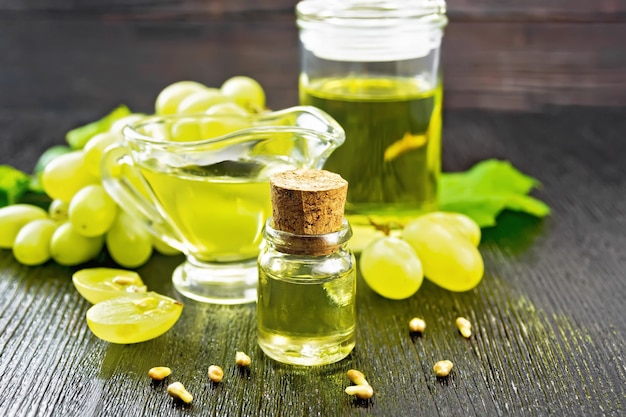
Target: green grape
156 131
99 284
58 210
92 211
32 243
200 101
363 235
164 248
118 126
133 318
185 130
68 247
246 92
458 223
128 241
449 261
170 97
227 109
94 149
215 127
65 175
13 218
230 117
391 268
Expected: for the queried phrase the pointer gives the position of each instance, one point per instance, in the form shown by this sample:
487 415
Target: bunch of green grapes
441 246
82 218
225 108
238 95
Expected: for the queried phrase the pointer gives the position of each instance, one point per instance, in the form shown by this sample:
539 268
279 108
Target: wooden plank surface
549 333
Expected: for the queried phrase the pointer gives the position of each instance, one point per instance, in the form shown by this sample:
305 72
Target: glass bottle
306 303
375 67
306 311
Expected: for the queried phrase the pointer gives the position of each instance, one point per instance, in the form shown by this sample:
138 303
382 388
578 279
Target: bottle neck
307 245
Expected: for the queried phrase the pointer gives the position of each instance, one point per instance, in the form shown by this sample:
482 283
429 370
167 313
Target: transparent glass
374 66
306 308
209 198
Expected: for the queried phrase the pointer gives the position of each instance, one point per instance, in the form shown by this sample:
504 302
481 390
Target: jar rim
371 12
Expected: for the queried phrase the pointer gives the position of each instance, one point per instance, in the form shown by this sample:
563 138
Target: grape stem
386 228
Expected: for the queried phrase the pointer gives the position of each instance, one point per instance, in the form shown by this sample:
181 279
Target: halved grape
13 218
449 261
92 211
133 318
99 284
170 97
32 243
246 92
391 268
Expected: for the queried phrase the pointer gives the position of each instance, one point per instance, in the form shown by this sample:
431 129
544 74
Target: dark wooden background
497 54
89 56
540 83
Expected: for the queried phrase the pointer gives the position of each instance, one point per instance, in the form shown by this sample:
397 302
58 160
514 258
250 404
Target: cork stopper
308 202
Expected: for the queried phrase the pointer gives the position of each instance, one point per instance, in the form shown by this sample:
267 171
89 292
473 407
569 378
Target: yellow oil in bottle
392 153
306 318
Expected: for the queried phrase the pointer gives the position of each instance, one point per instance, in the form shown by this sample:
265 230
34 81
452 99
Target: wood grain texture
535 10
548 328
99 57
513 65
548 333
459 9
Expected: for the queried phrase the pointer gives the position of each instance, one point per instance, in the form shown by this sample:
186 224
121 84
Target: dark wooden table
548 317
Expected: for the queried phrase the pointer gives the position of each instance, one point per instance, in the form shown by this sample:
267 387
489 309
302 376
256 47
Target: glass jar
375 67
306 311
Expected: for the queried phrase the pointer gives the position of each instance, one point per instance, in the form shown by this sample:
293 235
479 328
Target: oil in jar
392 153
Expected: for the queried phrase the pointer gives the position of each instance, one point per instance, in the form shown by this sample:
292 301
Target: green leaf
486 189
13 183
78 137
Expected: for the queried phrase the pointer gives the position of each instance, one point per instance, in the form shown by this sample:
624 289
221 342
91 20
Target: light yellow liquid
306 320
219 219
392 154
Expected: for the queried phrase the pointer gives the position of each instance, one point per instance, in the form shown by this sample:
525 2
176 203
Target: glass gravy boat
210 198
